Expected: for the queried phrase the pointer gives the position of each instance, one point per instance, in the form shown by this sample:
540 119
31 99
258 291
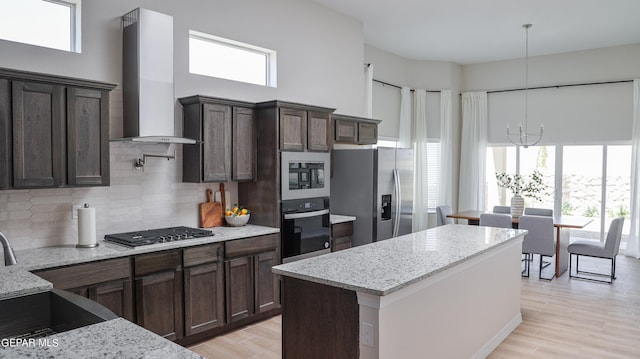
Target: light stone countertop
338 218
117 338
381 268
17 282
50 257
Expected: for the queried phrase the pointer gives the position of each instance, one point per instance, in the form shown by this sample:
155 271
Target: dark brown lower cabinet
115 296
341 236
267 286
158 286
203 289
106 282
185 295
251 287
239 275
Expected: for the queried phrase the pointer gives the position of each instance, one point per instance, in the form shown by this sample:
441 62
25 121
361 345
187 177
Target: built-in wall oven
306 228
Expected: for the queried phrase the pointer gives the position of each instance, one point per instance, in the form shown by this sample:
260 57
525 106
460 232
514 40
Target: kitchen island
448 292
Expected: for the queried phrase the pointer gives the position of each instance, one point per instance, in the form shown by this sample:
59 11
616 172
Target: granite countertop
381 268
17 282
338 218
50 257
117 338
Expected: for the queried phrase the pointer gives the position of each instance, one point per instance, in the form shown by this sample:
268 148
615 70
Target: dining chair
502 209
539 240
607 250
538 212
441 215
501 220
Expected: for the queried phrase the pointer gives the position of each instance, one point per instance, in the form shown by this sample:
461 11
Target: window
594 181
433 175
232 60
51 23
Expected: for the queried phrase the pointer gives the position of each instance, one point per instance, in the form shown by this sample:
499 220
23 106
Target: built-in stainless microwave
304 175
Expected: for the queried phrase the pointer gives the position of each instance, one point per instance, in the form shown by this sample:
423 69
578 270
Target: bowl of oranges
237 216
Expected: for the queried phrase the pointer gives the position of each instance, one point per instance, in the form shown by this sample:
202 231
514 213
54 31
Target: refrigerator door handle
398 194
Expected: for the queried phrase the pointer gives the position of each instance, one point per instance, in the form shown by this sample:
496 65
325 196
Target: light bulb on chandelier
523 137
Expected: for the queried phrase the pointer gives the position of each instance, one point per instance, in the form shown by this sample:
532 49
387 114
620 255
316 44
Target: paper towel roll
86 227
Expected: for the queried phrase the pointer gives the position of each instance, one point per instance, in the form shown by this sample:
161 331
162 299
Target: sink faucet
9 256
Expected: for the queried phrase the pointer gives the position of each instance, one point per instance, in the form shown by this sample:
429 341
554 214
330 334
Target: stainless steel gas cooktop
153 236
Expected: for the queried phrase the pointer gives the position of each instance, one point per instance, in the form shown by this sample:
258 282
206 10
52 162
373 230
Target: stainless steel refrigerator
376 186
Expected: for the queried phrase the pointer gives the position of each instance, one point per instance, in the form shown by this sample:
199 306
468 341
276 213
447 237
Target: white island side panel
464 312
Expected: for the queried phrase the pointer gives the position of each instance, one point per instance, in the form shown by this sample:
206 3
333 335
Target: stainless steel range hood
147 79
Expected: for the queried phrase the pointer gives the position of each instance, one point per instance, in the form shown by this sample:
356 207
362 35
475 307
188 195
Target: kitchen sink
46 313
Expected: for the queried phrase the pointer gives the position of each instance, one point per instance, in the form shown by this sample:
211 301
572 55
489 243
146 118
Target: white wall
571 115
320 62
320 52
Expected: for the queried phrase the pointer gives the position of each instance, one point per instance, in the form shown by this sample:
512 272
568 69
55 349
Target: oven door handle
306 214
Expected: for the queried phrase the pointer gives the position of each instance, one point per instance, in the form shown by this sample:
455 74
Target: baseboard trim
492 344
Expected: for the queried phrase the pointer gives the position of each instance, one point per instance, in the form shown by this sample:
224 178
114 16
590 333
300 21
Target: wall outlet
74 211
366 334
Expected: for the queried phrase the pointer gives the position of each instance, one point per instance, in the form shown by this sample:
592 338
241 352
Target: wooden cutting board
211 212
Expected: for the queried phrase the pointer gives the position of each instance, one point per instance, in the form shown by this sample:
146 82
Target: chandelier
523 137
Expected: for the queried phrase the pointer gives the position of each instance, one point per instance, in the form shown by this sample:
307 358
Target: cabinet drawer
157 262
202 254
87 274
244 247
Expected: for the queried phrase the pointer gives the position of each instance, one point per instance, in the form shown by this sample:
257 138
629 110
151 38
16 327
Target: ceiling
473 31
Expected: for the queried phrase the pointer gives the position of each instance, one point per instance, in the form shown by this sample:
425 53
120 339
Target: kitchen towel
86 227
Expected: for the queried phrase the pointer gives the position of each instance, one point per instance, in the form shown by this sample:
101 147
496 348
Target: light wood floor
560 319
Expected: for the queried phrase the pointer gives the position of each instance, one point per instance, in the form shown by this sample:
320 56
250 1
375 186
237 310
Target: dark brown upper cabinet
87 137
355 130
55 131
319 131
5 133
226 131
38 135
302 130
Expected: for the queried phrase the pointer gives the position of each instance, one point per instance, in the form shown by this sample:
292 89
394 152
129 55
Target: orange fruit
244 211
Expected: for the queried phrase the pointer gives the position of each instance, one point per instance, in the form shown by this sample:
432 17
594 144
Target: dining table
563 225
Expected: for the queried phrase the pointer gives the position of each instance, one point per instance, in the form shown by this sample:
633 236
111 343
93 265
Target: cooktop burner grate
153 236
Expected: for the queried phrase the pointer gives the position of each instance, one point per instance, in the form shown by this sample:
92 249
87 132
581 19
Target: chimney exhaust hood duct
147 81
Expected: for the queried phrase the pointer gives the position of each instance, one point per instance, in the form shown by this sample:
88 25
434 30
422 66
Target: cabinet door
5 133
38 136
267 286
319 131
244 144
203 298
239 288
115 296
216 123
367 133
346 131
88 137
159 304
293 126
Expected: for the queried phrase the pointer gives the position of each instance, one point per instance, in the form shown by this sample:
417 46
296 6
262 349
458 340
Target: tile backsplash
137 199
153 197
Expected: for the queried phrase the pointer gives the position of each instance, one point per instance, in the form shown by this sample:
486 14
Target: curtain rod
399 87
558 86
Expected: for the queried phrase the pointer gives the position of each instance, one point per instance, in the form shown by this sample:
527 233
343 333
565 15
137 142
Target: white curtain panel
404 126
473 151
368 88
446 149
420 203
633 243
